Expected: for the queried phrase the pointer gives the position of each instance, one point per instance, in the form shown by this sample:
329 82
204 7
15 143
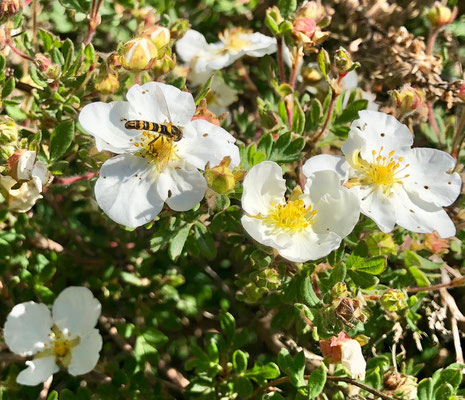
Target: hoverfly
159 145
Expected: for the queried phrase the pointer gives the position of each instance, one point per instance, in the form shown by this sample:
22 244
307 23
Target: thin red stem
295 68
432 121
328 117
10 43
431 41
454 149
71 179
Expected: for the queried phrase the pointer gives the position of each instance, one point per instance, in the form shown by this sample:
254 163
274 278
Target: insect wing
162 103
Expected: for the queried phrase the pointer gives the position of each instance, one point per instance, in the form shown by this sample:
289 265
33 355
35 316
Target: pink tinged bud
9 8
408 98
159 35
305 25
440 15
138 54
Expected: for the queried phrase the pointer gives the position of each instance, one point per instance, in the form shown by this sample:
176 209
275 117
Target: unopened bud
304 28
107 83
47 67
220 178
179 28
408 99
393 300
159 35
440 15
311 75
273 19
9 8
313 10
339 291
8 131
138 54
163 65
343 61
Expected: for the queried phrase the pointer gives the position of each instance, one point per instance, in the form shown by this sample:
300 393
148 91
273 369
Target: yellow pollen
382 171
158 148
59 347
233 39
62 348
294 216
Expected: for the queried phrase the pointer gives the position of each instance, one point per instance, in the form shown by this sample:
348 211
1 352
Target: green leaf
228 325
47 40
239 360
8 87
316 382
243 386
53 395
412 259
36 78
266 371
204 90
419 276
178 241
294 368
204 240
298 118
363 279
287 7
444 392
449 375
351 112
154 336
372 266
323 62
265 144
338 274
307 292
61 139
143 349
316 112
425 390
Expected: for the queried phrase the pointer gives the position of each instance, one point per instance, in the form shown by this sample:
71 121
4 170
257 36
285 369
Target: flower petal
191 45
375 205
429 177
37 371
264 184
105 121
27 328
338 209
326 162
127 190
147 105
85 355
306 246
204 143
181 188
352 359
264 234
417 215
374 130
260 45
76 310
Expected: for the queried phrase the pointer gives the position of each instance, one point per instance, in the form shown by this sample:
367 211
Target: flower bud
107 83
440 15
9 8
159 35
435 244
400 386
273 19
304 28
311 75
313 10
343 61
220 178
163 65
346 351
47 67
339 291
408 99
138 54
179 28
393 300
8 130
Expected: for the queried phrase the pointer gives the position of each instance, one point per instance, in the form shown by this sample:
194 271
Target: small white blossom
203 57
27 177
64 338
151 169
308 225
220 96
349 83
395 183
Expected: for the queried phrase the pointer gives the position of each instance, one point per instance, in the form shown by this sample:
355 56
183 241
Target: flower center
294 216
234 40
158 148
382 171
60 346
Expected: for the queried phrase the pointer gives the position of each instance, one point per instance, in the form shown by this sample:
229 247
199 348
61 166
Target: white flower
350 82
65 338
395 183
151 169
220 96
308 225
23 187
205 57
352 359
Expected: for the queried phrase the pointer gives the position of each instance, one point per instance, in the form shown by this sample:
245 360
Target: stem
44 392
432 121
246 76
282 77
328 117
93 20
331 378
454 149
34 24
295 68
10 43
455 282
431 41
71 179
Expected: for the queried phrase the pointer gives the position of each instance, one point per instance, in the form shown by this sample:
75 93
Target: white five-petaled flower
203 57
65 338
152 169
308 225
395 183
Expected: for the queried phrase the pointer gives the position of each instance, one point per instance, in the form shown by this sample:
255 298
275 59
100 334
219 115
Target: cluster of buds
9 8
440 15
408 99
393 300
8 137
342 349
26 178
106 81
221 178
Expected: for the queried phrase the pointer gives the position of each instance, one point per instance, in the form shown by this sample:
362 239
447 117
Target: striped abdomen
171 131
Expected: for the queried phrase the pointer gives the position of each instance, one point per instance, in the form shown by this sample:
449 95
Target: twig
44 392
286 379
72 179
295 67
113 332
455 282
431 41
10 43
282 77
432 121
246 76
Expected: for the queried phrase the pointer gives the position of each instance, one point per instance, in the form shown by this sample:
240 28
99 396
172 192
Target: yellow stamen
233 39
293 216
